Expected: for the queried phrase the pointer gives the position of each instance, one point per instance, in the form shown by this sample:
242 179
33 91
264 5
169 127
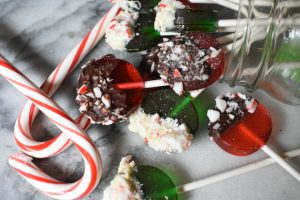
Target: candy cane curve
22 163
26 117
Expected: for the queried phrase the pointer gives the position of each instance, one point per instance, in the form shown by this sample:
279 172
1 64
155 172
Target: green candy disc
148 4
155 184
165 101
146 36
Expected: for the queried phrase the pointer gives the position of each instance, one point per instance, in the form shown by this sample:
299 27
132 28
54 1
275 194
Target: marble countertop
35 35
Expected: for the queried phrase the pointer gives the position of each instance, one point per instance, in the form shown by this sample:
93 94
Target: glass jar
265 53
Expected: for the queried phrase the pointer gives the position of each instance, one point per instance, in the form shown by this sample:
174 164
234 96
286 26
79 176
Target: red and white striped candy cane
23 165
26 117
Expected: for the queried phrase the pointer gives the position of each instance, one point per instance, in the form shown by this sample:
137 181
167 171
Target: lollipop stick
235 172
270 152
142 84
283 163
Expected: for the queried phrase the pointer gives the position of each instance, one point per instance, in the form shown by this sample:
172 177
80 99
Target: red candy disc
126 72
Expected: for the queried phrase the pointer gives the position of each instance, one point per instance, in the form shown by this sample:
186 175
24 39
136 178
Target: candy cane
23 165
26 117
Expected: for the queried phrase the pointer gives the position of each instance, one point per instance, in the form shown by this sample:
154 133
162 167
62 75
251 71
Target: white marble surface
35 35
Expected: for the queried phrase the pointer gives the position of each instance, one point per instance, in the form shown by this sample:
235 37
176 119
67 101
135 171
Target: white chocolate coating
165 14
121 29
160 134
124 186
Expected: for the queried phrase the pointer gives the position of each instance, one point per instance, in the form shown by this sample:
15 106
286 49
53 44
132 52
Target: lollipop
188 62
140 182
241 125
99 99
162 132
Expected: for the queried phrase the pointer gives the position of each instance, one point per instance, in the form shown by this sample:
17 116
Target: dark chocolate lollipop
188 62
98 99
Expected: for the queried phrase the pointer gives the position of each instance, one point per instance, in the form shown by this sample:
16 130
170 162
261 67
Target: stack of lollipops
182 57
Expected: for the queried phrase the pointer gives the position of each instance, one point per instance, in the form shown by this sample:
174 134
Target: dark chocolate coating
185 59
96 74
225 121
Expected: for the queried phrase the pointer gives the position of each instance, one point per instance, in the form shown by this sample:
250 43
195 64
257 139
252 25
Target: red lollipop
241 125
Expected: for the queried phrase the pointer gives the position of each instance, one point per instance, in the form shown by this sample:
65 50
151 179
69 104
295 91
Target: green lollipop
155 184
164 101
140 182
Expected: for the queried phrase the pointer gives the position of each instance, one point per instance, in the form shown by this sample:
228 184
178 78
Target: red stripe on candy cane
78 53
37 178
53 79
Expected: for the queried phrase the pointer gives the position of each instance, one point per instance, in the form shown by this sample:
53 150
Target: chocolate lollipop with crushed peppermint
187 62
241 125
99 99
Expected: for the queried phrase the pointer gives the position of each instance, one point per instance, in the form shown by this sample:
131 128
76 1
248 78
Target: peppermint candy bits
99 100
239 124
188 62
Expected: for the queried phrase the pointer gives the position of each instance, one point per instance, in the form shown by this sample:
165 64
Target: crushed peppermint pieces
161 134
97 97
121 29
181 60
229 109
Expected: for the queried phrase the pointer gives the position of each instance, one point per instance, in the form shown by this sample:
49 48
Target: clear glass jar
266 49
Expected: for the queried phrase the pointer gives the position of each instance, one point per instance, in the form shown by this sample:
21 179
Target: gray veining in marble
35 35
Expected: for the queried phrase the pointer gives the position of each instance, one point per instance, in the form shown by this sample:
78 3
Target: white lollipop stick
152 84
283 163
141 84
233 173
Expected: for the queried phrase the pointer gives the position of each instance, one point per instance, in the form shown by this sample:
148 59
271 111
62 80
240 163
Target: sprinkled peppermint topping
161 134
97 92
121 29
213 115
106 100
221 104
178 88
124 186
97 97
228 110
181 60
251 105
165 14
